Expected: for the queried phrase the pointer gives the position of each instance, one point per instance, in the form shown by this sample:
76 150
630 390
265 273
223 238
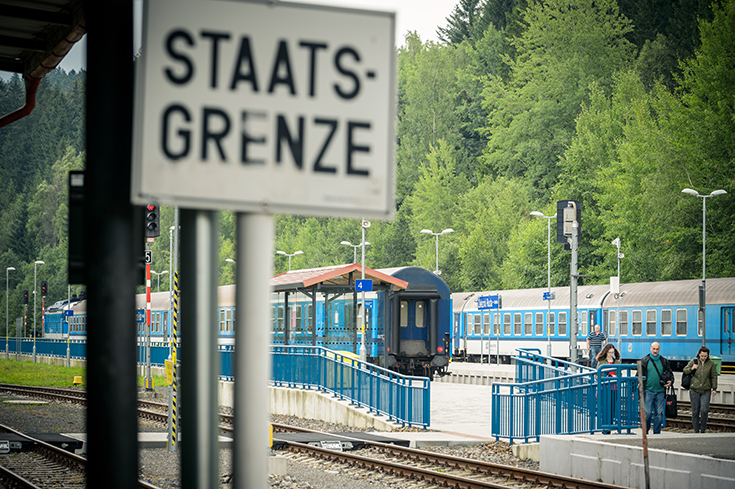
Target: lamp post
429 231
35 265
548 273
158 275
289 255
7 292
616 242
363 351
703 299
355 247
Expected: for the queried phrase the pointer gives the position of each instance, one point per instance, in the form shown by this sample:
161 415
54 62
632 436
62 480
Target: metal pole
199 447
252 354
704 275
35 265
437 253
573 274
644 439
363 350
617 313
548 283
7 327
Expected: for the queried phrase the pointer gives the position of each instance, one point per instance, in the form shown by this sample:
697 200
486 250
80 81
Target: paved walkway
459 408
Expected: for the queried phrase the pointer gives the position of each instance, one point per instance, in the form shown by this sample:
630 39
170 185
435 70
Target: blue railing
46 347
401 398
532 365
567 404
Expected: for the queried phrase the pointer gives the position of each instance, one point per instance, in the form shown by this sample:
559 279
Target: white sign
283 108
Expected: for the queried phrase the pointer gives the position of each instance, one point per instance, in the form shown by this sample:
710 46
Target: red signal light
151 207
440 349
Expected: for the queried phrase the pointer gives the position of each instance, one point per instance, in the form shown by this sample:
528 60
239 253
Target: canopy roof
338 276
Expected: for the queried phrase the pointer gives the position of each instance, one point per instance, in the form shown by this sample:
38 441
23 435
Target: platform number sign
364 285
140 315
271 107
148 257
488 302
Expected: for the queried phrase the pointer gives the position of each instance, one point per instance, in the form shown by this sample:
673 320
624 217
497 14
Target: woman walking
609 356
704 385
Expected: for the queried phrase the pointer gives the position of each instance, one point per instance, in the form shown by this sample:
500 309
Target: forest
617 104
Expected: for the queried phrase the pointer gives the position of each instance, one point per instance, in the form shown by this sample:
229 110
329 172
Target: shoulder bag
671 407
686 379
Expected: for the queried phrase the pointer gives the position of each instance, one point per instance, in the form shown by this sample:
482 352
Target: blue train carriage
418 339
66 319
160 316
524 319
668 312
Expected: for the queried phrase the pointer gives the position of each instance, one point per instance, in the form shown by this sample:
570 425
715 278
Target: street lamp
429 231
703 300
7 292
35 265
231 261
159 278
289 255
616 242
548 273
354 248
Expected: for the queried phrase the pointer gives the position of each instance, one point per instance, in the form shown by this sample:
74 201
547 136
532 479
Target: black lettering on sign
248 139
184 134
296 145
350 74
282 61
352 148
312 47
215 37
245 56
318 166
209 114
171 39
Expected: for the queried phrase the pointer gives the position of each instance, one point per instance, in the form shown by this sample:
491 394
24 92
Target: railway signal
25 297
152 222
44 288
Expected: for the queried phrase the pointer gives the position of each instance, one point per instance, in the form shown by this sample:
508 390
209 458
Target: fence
563 403
402 398
46 347
532 365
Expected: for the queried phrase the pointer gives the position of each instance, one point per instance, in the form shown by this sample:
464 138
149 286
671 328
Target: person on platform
657 371
595 340
610 356
703 387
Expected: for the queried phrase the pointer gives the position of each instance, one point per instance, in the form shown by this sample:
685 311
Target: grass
44 375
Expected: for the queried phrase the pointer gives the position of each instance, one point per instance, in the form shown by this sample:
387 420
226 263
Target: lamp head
537 214
298 253
10 268
39 262
427 231
346 243
690 192
281 252
367 243
717 192
447 231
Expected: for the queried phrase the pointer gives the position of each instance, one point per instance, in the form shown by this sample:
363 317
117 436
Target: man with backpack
657 371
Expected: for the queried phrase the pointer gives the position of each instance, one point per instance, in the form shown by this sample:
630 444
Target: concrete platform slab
437 439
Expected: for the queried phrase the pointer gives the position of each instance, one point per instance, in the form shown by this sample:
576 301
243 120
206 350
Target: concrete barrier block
530 451
277 465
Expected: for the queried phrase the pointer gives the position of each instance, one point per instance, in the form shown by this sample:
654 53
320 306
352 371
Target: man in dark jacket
658 374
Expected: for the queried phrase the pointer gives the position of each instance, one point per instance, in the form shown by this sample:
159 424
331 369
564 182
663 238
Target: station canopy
336 278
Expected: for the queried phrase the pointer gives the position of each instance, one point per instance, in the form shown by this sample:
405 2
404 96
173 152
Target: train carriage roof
646 294
340 275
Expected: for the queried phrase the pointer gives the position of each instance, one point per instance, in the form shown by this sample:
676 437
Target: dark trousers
700 409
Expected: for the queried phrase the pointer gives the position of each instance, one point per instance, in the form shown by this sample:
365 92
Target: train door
414 331
727 331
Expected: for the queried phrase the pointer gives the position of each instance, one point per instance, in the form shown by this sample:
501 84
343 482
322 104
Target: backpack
686 379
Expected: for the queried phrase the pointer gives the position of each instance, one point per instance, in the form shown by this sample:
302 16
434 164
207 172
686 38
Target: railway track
44 465
721 417
420 467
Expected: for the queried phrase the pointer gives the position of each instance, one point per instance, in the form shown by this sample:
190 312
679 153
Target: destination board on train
283 108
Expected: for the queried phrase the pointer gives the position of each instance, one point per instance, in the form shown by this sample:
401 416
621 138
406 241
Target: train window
539 323
551 324
506 324
350 316
310 319
404 314
496 321
273 319
583 320
611 324
299 322
699 323
624 323
681 322
279 319
529 323
476 321
486 324
228 320
666 322
725 320
562 323
637 323
421 314
517 324
221 320
651 322
233 319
